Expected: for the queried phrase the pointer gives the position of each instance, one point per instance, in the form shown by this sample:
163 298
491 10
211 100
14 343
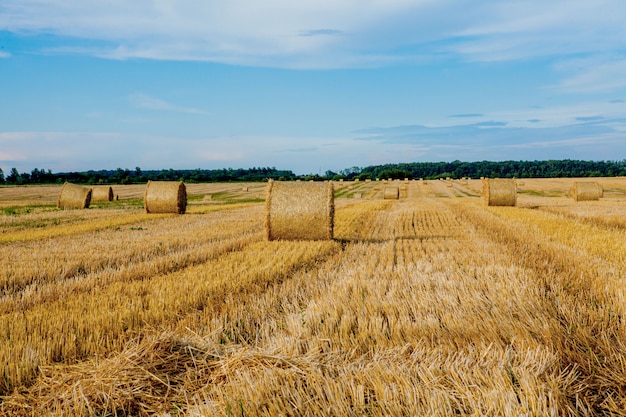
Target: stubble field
432 304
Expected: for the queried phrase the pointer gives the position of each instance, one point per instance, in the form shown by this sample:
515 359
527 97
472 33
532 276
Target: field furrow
432 304
102 321
585 293
153 245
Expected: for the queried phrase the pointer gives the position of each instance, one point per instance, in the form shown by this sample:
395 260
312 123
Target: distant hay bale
299 211
587 191
165 197
207 197
391 193
101 193
73 196
357 195
499 192
520 183
244 189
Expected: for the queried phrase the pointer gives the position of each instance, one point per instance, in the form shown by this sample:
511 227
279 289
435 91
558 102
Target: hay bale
165 197
101 193
73 196
299 211
587 191
499 192
391 193
244 189
357 195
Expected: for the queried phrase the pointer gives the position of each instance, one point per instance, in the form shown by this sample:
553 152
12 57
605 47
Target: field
431 304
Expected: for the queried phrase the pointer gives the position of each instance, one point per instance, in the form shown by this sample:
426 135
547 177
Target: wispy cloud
4 54
321 32
144 101
596 138
283 33
594 74
464 115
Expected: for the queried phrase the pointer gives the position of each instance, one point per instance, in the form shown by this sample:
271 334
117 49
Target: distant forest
426 170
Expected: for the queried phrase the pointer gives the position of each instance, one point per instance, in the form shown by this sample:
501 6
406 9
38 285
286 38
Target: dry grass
438 308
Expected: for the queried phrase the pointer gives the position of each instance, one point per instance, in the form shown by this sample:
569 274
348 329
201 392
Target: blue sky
310 85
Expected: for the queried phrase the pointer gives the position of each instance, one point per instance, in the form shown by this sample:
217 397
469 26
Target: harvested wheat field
434 304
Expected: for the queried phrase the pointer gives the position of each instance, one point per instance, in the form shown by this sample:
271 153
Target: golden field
431 304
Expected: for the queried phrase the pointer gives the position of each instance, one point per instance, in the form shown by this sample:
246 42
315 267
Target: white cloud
593 76
4 54
347 33
145 101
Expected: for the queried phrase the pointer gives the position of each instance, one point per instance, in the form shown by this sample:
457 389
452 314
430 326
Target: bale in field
299 211
101 193
587 191
165 197
391 193
499 192
357 195
74 196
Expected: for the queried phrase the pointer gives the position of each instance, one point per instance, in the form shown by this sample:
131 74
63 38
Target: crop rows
428 305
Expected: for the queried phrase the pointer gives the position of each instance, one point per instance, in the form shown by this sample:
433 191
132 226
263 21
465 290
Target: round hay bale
101 193
587 191
299 211
391 193
165 197
73 196
357 195
499 192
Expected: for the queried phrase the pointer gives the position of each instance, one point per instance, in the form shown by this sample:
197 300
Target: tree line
412 170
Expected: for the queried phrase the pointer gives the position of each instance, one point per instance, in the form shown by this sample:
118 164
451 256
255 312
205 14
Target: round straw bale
391 193
357 195
73 196
299 211
165 197
587 191
102 193
499 192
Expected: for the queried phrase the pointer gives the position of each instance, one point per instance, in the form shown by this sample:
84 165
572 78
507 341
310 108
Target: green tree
14 176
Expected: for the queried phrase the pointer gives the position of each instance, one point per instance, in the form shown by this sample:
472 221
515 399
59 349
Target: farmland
431 304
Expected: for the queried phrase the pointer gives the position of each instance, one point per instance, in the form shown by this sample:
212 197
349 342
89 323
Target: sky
310 85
